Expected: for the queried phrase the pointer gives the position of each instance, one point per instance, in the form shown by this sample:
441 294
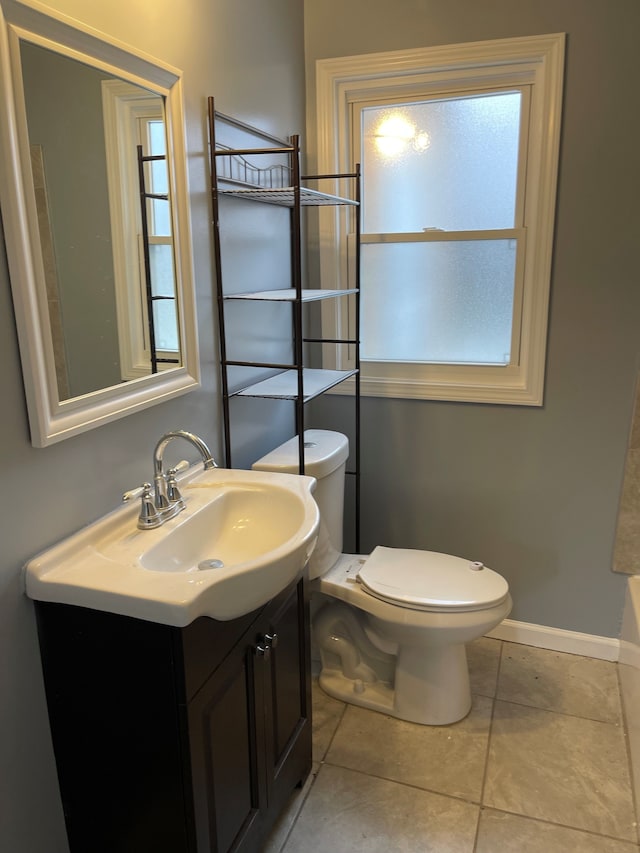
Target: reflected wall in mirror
95 207
84 159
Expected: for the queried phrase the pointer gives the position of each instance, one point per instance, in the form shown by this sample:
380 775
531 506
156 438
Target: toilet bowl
392 626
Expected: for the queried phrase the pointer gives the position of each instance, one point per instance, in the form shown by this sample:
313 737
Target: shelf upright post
219 289
296 280
358 216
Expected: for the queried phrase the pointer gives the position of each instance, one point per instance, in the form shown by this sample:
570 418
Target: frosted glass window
160 225
164 311
446 302
161 258
458 146
442 164
165 325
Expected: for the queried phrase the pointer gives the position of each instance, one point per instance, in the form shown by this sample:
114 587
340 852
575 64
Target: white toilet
392 632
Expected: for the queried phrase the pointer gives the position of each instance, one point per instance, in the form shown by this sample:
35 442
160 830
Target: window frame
144 119
126 111
533 63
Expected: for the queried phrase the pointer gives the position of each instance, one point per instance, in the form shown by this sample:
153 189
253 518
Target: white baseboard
557 639
629 655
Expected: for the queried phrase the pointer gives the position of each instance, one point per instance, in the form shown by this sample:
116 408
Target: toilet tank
325 458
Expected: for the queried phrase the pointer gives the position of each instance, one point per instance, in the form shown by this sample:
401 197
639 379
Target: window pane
162 283
449 302
449 164
161 260
157 139
165 325
161 215
160 220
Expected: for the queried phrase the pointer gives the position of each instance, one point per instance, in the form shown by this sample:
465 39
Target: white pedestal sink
243 537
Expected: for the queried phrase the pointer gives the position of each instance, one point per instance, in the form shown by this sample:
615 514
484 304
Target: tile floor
540 765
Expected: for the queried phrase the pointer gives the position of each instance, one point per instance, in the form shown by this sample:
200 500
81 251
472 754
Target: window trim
536 61
124 107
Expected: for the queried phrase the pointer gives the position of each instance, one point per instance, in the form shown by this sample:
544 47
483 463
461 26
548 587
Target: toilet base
432 690
410 664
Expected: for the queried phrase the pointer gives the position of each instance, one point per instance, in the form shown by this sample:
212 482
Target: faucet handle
148 513
173 491
183 465
132 494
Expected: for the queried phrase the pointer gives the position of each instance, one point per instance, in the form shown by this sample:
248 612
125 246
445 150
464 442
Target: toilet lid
427 580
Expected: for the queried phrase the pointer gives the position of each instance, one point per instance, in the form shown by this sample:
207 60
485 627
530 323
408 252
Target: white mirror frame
51 419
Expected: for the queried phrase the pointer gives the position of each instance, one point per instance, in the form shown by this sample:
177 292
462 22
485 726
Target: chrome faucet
165 501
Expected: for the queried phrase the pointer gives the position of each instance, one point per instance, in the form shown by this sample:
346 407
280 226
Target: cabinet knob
272 639
263 649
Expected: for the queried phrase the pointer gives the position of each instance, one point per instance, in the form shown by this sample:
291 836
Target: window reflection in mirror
84 127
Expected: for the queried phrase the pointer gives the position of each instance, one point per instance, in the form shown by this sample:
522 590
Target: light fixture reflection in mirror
79 127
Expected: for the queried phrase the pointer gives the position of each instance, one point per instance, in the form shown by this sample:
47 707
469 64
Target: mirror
95 211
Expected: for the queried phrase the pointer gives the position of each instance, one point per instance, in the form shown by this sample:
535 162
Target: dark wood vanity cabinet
177 739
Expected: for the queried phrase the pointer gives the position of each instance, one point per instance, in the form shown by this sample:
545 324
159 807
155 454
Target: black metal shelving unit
280 183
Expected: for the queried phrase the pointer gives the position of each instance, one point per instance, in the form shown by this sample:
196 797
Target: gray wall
533 492
75 173
249 55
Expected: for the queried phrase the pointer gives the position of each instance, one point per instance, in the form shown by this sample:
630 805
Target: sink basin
241 523
243 537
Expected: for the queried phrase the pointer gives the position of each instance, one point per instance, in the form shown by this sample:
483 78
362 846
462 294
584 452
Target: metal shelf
284 386
278 181
286 196
289 295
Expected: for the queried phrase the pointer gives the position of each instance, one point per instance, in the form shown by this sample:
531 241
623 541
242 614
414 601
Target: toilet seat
428 580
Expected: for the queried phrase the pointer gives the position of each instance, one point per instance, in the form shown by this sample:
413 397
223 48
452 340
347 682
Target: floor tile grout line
302 805
335 730
472 801
561 654
468 800
627 741
620 723
320 763
569 826
481 807
488 749
617 725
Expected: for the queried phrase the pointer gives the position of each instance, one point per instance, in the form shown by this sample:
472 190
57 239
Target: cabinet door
288 696
227 753
118 734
